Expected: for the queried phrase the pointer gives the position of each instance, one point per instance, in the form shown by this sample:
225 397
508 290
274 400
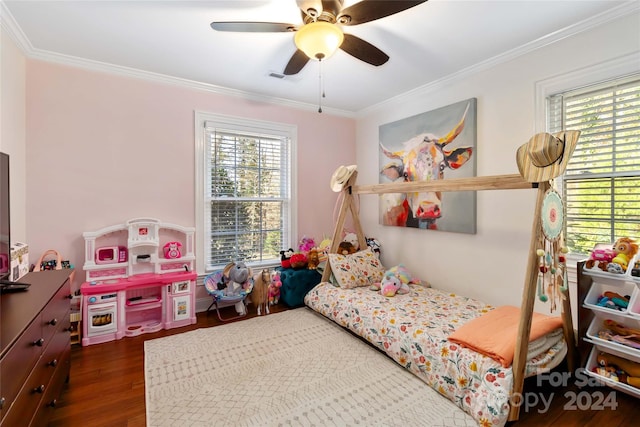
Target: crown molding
12 28
620 11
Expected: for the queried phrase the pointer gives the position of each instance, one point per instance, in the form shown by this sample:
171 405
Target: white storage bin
598 289
592 363
634 304
613 347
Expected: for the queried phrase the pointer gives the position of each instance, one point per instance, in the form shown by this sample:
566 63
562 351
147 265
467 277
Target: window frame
239 124
609 70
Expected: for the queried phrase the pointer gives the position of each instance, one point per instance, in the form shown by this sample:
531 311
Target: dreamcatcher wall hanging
551 252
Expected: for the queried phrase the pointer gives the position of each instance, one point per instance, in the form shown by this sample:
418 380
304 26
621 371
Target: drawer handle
39 389
53 363
2 400
53 322
39 342
53 403
69 296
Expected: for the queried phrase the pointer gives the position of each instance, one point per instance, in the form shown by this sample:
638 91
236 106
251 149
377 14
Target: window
244 191
601 185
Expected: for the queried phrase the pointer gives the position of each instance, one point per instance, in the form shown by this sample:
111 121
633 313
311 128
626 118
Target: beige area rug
289 368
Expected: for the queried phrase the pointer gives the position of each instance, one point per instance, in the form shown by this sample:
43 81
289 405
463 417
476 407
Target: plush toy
306 244
625 249
298 261
373 244
274 288
285 258
323 249
395 281
313 259
346 248
353 239
236 276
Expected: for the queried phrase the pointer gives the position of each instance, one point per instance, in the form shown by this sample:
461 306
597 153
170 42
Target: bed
416 329
413 329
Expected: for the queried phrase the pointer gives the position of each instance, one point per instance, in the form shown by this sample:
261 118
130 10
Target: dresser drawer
19 361
28 399
54 351
54 388
56 311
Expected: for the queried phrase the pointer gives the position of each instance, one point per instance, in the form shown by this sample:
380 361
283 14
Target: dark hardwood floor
106 388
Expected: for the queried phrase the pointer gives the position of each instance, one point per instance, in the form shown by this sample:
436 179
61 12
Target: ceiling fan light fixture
319 40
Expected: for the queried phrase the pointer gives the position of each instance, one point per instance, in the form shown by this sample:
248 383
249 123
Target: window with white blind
601 185
243 205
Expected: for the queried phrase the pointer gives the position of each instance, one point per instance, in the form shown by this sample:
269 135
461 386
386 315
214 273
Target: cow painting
425 157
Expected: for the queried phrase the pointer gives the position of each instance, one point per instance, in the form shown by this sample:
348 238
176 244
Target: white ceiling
173 40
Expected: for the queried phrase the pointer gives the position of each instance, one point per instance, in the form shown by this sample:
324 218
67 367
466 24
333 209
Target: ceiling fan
320 34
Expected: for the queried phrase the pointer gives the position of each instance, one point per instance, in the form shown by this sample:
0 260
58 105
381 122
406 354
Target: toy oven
102 314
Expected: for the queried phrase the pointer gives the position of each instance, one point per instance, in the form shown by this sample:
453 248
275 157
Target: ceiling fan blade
363 50
370 10
253 27
296 63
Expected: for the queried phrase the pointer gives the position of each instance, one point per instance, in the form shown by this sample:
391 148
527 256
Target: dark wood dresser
36 348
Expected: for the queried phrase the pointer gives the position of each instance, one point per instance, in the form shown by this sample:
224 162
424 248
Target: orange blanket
494 333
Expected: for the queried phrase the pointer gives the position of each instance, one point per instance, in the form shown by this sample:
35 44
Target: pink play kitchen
140 279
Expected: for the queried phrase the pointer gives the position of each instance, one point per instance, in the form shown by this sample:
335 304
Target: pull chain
320 86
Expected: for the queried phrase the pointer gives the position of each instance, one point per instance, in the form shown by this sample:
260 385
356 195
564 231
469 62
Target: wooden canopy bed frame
498 182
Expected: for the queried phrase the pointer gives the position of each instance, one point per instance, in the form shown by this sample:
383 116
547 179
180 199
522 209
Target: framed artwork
437 144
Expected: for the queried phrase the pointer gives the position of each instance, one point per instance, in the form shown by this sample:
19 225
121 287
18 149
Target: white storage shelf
625 285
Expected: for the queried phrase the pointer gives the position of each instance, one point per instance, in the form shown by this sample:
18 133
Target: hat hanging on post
341 176
545 156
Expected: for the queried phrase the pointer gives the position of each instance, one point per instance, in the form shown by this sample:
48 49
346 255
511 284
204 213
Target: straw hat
341 176
545 156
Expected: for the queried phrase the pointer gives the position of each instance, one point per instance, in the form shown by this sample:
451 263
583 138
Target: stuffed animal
373 243
625 249
298 261
285 258
237 283
395 281
306 244
353 239
274 288
346 248
313 259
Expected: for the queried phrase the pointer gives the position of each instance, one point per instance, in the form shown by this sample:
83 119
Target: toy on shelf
172 250
618 369
614 301
111 255
298 261
625 249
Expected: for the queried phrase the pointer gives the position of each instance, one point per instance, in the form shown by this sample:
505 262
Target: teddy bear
313 259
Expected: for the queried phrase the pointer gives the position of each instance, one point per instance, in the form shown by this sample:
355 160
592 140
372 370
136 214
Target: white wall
12 129
491 264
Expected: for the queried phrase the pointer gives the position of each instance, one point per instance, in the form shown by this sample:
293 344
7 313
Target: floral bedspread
413 329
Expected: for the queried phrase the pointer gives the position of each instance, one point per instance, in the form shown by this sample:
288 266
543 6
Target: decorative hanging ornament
552 269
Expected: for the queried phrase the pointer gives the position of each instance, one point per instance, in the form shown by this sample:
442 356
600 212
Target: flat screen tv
5 224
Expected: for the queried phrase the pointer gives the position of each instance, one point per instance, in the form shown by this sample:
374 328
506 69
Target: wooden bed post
347 205
528 300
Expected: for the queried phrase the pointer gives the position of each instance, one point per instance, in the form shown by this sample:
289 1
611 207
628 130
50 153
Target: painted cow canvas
438 144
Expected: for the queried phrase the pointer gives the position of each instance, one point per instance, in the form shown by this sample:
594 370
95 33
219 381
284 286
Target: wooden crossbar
497 182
